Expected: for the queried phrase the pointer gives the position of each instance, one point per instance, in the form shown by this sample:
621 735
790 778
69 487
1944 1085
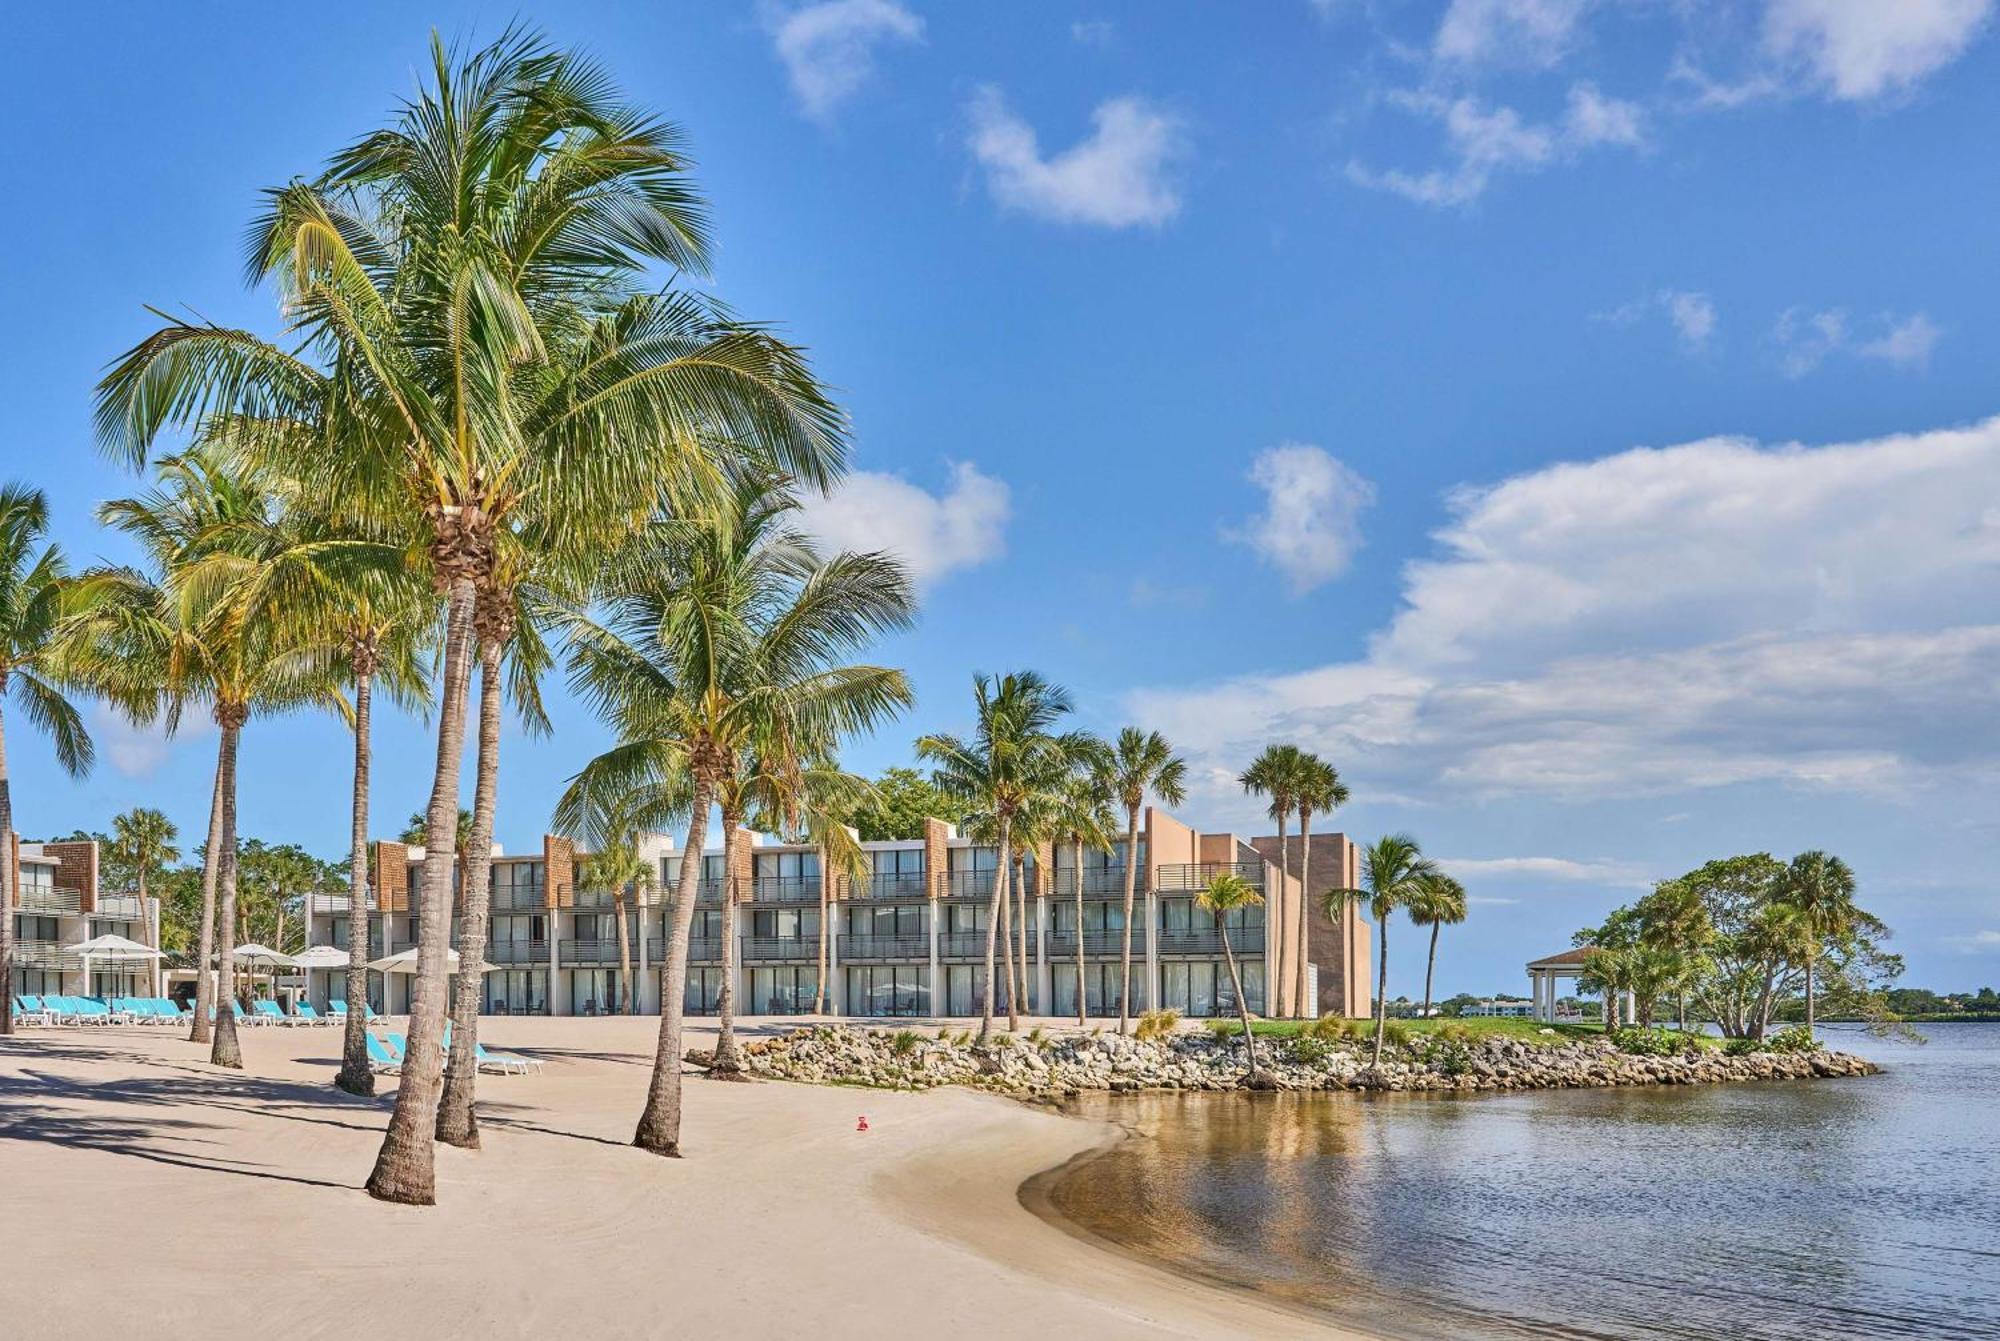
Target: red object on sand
863 1124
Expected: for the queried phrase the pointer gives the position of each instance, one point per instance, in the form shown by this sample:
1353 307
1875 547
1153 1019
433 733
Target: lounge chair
270 1012
29 1010
380 1058
506 1063
92 1011
307 1015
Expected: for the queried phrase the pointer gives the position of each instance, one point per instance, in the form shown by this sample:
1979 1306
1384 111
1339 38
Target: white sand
148 1194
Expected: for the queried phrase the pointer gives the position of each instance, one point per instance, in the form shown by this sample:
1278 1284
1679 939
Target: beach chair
270 1012
92 1011
505 1063
60 1011
398 1047
337 1011
380 1058
307 1015
29 1010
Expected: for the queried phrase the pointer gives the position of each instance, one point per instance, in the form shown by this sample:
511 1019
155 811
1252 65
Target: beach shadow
135 1138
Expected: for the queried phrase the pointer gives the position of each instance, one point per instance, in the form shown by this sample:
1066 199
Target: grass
1525 1031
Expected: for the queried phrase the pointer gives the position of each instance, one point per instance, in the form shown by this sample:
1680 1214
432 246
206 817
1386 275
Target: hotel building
909 939
57 904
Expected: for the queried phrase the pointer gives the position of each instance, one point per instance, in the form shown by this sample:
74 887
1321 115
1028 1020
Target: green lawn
1527 1031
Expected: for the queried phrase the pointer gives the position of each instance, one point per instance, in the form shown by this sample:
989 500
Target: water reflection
1841 1208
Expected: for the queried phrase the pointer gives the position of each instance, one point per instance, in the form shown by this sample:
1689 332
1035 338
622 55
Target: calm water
1856 1207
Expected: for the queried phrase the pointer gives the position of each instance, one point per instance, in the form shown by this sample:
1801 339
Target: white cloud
1532 33
828 49
1121 175
134 750
934 534
1665 620
1976 941
1907 343
1862 49
1618 873
1693 315
1311 522
1484 141
1092 32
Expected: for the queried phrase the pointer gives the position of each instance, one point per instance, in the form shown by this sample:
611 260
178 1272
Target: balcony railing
42 954
122 907
972 944
516 900
47 899
884 947
1208 941
970 884
1098 880
789 948
701 950
1193 876
784 889
604 951
1096 943
339 903
893 885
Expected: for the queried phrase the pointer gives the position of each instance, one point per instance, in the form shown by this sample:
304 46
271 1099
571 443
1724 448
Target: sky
1576 419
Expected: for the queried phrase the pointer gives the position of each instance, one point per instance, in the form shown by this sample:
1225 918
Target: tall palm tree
1395 873
1817 895
1080 816
616 867
144 840
810 799
1281 773
1141 762
1013 757
721 633
1225 893
1439 904
1320 790
33 583
473 273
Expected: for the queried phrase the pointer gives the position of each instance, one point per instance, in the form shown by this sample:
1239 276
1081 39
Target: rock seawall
1060 1066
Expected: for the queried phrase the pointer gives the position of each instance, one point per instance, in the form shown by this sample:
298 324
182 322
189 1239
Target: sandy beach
149 1192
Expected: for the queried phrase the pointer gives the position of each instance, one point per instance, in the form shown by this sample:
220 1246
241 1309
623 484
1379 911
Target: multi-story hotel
907 940
57 904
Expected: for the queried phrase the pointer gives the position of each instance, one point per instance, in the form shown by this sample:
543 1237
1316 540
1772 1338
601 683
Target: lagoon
1855 1207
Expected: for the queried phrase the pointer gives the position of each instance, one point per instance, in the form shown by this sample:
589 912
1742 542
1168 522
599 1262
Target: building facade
57 904
905 939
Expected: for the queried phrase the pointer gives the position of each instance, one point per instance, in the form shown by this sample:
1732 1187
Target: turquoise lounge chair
380 1058
506 1063
308 1015
29 1010
270 1012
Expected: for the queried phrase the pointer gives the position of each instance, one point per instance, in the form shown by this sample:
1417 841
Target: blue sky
1571 417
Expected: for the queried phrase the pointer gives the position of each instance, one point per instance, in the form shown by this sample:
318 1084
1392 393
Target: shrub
905 1042
1224 1028
1453 1032
1038 1037
1647 1042
1452 1057
1395 1034
1798 1038
1156 1024
1741 1047
1309 1049
1327 1028
1353 1031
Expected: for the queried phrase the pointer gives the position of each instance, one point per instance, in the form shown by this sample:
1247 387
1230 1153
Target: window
895 919
963 984
782 991
888 989
1201 988
593 991
788 865
28 927
516 992
1103 983
704 991
974 858
785 923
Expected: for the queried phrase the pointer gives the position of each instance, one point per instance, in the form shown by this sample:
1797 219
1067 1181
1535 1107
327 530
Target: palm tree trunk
727 1061
457 1119
822 997
1082 1002
993 908
1430 967
659 1128
1007 948
1811 1019
355 1075
211 860
405 1168
1125 931
624 952
1381 984
225 1051
1301 1007
6 888
1242 1003
1021 930
1281 986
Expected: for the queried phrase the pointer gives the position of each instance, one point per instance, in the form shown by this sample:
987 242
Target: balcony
1096 944
1208 941
884 947
49 899
970 885
120 907
701 950
972 945
337 903
1191 877
43 955
1098 880
892 885
596 951
785 889
790 949
513 900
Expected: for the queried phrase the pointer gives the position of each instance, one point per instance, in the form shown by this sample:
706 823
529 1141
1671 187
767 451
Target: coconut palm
1281 773
1319 790
1013 758
1394 874
1817 896
473 271
1080 816
33 583
617 867
1225 893
720 634
1439 904
1140 763
813 800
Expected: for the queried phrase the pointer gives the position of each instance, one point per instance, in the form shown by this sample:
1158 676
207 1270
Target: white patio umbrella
406 962
255 956
321 957
110 947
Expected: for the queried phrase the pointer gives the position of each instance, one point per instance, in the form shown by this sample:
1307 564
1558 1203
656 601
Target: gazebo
1545 976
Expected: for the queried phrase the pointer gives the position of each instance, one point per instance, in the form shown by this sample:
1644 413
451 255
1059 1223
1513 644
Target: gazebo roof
1575 958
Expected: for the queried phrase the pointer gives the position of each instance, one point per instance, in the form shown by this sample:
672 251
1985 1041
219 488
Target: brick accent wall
392 877
558 871
78 871
1339 946
937 847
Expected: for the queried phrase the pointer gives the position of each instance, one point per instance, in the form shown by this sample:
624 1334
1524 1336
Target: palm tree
33 586
617 867
1439 904
1140 762
1225 893
1394 874
470 276
143 839
1817 895
1319 789
1012 758
1080 816
721 634
1281 772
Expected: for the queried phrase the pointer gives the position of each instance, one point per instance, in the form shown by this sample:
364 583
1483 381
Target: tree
471 275
1013 757
1282 773
720 635
33 586
1319 789
905 799
141 847
1439 904
1225 893
416 832
1141 762
1394 874
1817 896
1081 817
617 868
